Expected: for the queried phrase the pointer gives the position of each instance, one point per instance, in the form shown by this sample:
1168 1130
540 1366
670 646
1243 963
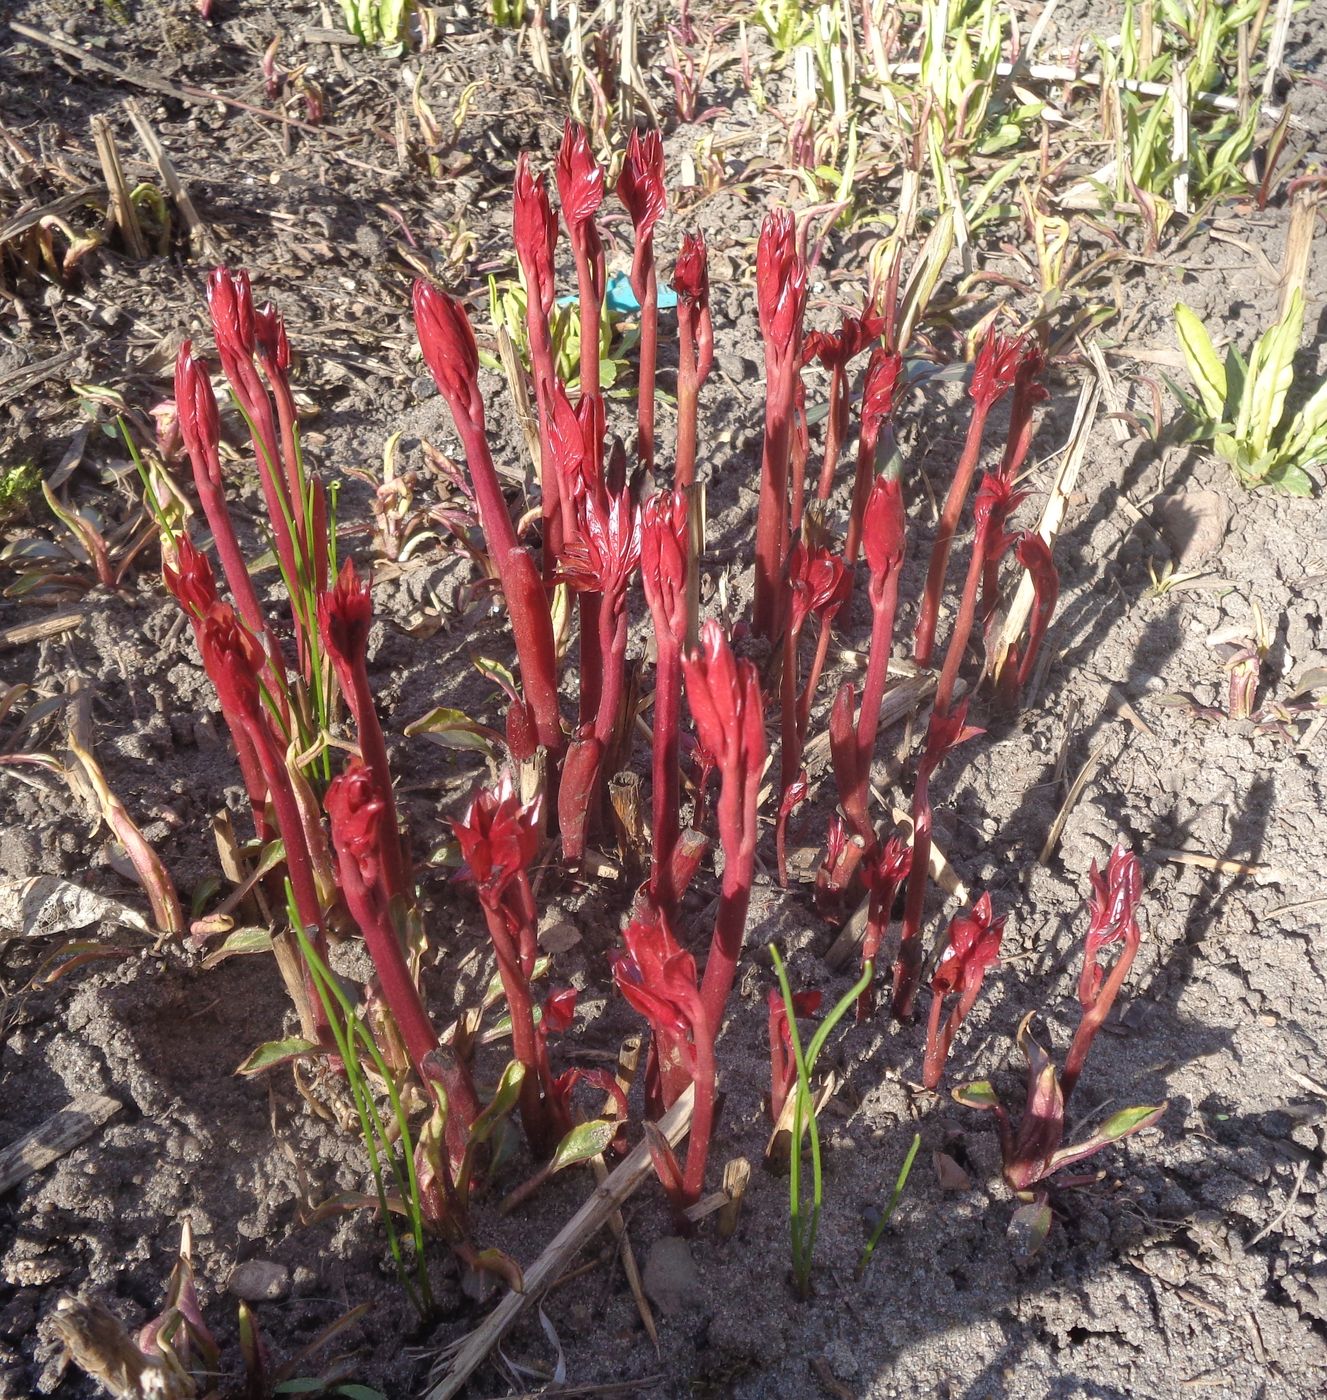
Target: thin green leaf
583 1142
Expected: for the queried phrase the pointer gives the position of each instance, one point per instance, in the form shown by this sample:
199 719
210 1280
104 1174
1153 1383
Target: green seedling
1241 405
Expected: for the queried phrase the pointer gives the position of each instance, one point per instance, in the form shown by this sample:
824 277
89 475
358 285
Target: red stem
738 796
824 628
374 749
835 429
967 612
908 964
688 396
666 788
702 1114
944 536
649 341
884 605
772 515
1095 1016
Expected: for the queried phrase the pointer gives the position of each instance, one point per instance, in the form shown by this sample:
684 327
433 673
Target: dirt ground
1196 1263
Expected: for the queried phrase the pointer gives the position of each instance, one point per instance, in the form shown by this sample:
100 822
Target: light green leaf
454 729
239 942
979 1094
1205 369
277 1052
584 1141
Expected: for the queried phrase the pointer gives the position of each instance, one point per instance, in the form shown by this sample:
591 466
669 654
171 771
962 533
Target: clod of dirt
1193 524
671 1277
260 1281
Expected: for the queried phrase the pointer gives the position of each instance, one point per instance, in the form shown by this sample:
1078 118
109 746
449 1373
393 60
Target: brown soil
1195 1263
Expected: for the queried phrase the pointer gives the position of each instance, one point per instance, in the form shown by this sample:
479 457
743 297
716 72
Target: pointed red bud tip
880 389
1035 556
995 368
691 272
230 302
996 501
819 583
357 812
663 559
535 231
726 704
658 978
192 583
974 944
836 841
270 337
559 1011
884 528
580 177
834 349
781 280
607 547
196 405
946 732
498 837
1113 909
449 348
232 659
640 187
890 868
344 613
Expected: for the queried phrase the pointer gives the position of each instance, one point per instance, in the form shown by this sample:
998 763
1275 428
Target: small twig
1286 1209
60 1133
24 632
1222 865
457 1368
122 213
1085 776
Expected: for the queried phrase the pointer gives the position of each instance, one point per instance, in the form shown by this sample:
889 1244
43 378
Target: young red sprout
695 352
885 539
818 586
782 1062
580 180
1113 909
996 500
1029 391
944 732
972 946
235 329
450 352
365 841
663 552
781 285
311 532
235 665
200 428
499 838
836 350
600 559
885 873
194 587
1035 556
658 978
879 393
344 614
993 376
535 233
640 187
729 714
1036 1150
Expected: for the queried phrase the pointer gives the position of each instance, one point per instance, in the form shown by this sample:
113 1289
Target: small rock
842 1362
560 936
1193 524
260 1281
671 1277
